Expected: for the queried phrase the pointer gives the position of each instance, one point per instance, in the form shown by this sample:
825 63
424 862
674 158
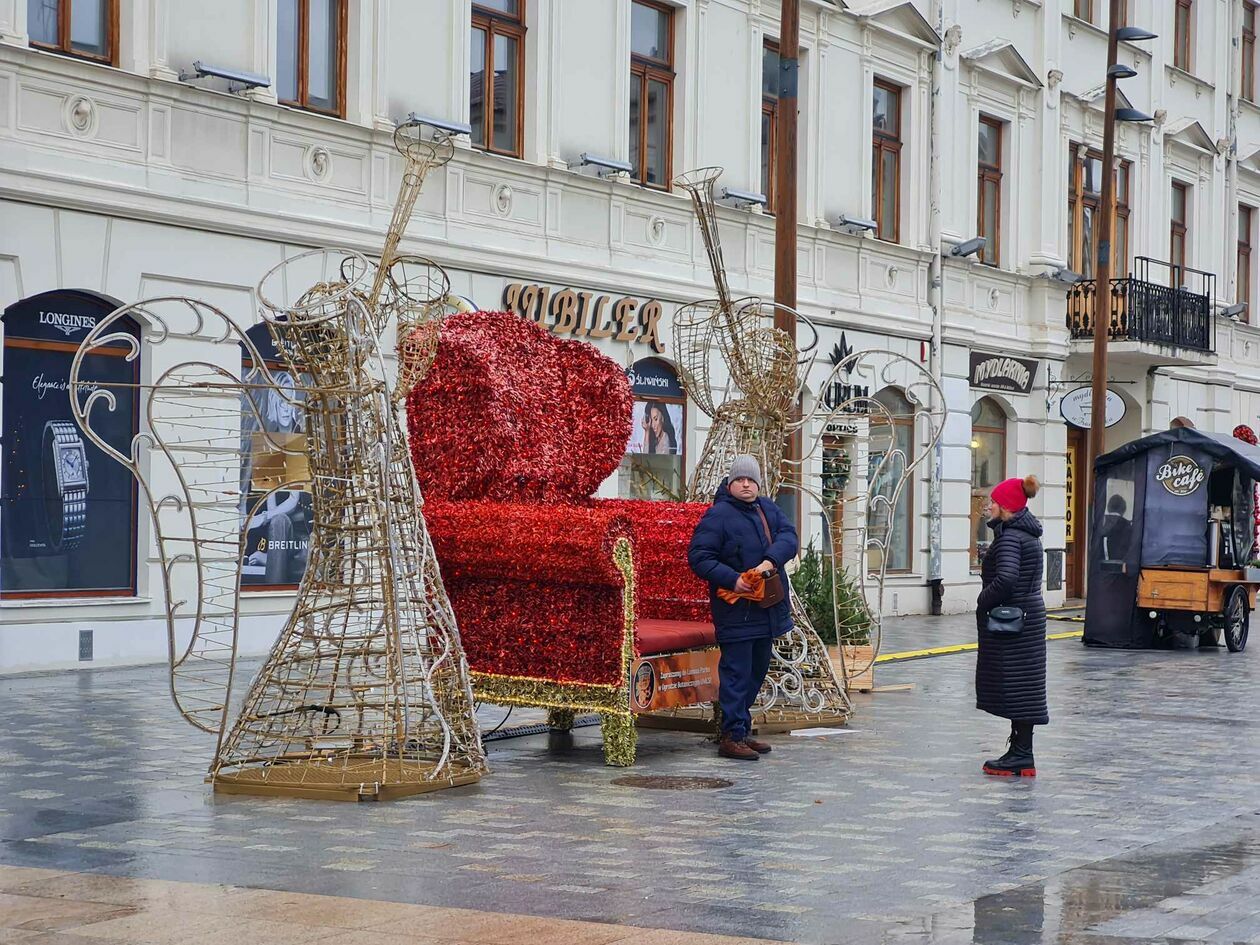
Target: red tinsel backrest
511 413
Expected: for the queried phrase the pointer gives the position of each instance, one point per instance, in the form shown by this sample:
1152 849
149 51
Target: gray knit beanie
745 467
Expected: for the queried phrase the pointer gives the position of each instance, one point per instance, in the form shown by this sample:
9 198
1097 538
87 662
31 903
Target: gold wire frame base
314 780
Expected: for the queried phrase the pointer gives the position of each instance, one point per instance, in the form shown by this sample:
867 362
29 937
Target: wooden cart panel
1196 589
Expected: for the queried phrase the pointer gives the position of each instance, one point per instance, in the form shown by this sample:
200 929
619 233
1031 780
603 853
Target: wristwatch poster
67 512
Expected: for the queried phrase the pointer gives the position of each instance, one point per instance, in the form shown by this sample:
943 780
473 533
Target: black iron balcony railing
1176 312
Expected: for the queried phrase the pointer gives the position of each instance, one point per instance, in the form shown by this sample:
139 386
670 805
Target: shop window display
655 456
988 468
273 436
67 514
891 455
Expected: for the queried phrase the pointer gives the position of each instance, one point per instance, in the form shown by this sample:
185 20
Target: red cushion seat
653 636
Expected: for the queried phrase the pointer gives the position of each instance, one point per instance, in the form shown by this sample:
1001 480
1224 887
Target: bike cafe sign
1000 372
586 314
1181 475
1076 407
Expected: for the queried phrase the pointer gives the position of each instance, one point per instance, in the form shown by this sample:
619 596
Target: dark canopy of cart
1136 521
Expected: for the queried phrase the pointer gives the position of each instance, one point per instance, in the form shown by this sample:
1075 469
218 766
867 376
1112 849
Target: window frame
1247 72
1079 199
769 110
882 142
497 23
983 491
1183 43
991 253
896 422
1083 10
302 102
64 47
1242 291
1178 232
644 69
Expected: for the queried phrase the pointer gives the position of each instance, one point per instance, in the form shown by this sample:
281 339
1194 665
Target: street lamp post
1102 288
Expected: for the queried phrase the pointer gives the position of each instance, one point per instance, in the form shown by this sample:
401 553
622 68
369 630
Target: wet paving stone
1141 827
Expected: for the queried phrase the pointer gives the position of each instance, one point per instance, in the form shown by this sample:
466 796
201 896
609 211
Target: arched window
656 454
891 454
988 468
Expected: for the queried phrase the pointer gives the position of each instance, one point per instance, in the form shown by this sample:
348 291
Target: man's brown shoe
729 748
761 748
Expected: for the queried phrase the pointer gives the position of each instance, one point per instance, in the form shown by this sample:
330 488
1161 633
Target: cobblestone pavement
1142 826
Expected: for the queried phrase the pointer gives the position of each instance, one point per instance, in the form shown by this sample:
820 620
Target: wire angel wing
225 438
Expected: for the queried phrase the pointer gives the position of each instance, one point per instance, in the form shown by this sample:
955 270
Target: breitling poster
67 511
273 440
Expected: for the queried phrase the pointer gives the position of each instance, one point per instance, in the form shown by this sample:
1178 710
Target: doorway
1074 526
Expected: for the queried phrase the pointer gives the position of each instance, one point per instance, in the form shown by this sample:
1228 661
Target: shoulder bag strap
765 524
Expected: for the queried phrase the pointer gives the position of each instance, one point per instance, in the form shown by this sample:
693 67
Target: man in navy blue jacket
743 531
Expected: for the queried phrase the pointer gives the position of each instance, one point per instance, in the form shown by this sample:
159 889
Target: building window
890 498
988 468
1178 231
651 92
769 118
87 29
1243 292
311 55
1084 10
497 75
1183 34
886 161
656 455
1084 207
1248 75
989 170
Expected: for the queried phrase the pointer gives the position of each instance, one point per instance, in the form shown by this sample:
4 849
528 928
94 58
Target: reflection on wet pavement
1141 827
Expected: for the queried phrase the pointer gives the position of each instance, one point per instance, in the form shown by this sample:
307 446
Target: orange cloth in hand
752 577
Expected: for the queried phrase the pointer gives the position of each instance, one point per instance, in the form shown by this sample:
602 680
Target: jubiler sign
587 315
1002 372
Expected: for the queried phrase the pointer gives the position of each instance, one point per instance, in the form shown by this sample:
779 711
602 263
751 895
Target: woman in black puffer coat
1011 668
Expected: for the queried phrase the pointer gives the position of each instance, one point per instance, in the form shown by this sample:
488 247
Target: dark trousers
741 671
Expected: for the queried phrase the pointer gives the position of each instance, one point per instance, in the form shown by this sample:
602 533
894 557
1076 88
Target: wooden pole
785 192
1102 288
785 168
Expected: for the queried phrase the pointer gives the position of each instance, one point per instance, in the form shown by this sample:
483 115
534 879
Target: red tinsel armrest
560 544
661 531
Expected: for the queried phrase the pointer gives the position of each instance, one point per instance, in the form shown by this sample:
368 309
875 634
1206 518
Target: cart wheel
1237 620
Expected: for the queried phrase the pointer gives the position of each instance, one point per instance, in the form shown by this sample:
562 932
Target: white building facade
119 178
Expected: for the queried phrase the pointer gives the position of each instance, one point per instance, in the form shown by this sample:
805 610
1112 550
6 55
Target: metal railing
1175 312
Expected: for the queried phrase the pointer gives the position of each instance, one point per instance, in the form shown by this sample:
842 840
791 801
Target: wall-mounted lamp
856 224
1132 114
1065 275
1235 310
237 79
743 198
969 247
604 167
441 124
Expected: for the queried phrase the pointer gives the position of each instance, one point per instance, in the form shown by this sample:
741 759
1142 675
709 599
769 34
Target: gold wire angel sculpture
757 409
365 693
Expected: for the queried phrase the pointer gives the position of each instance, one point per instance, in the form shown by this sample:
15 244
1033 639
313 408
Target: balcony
1175 312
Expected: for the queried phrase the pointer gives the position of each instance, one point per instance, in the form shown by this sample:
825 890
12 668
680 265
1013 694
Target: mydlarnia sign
1077 406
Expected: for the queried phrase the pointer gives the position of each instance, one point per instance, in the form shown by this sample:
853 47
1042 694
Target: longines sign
587 315
1002 372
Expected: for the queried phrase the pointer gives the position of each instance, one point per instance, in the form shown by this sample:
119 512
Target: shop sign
852 396
1002 372
1076 407
652 377
841 428
1181 475
67 511
586 314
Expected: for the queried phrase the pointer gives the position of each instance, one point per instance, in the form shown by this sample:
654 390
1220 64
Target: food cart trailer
1171 542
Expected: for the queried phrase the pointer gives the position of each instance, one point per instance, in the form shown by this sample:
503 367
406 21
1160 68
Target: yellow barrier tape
957 648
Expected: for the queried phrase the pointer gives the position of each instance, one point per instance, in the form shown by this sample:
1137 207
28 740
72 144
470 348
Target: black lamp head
1132 114
1134 34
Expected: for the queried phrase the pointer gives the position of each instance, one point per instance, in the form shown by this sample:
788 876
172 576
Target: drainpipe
935 296
1232 95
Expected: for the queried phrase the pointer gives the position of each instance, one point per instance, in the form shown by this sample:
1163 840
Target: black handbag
1006 620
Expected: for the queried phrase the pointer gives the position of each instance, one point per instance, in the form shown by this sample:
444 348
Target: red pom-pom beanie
1009 493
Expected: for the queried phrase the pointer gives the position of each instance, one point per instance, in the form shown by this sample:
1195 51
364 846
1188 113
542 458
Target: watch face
73 466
